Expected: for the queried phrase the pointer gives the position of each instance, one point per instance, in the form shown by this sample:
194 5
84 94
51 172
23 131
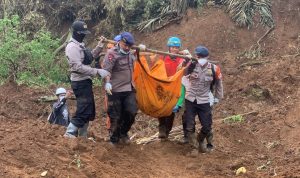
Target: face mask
202 61
60 97
124 52
78 37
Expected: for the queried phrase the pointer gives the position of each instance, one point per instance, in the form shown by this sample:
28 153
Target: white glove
108 88
216 100
211 99
142 47
101 41
103 73
187 53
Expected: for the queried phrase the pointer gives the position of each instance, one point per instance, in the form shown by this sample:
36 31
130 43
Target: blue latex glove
176 109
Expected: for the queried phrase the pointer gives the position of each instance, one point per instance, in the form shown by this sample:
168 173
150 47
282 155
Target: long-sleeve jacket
75 55
60 114
121 67
198 83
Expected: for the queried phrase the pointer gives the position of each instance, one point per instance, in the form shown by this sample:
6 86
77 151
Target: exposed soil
267 143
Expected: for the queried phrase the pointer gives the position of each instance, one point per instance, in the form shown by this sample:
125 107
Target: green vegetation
234 119
243 12
28 59
27 50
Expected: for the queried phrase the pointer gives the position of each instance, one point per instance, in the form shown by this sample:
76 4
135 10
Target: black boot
202 146
162 129
125 140
169 124
162 132
192 139
209 139
185 132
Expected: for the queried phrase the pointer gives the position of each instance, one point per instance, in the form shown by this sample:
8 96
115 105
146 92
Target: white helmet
60 91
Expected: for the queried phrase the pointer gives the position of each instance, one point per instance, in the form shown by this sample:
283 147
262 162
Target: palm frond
242 12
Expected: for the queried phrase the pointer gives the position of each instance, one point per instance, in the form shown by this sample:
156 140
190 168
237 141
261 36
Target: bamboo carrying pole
153 50
158 52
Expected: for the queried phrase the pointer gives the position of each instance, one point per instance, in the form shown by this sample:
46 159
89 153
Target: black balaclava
78 37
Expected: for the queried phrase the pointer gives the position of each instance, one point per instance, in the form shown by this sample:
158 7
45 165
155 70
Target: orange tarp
157 94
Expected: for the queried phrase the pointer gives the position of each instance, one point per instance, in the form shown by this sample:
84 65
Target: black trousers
85 110
122 109
204 113
184 125
165 124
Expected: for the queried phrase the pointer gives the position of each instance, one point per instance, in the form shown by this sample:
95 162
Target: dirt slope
267 143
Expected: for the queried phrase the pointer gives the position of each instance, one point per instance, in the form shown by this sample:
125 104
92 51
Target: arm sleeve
218 84
96 51
75 63
57 106
109 62
181 98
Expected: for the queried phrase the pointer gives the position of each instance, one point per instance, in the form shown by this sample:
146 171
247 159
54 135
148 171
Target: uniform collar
76 42
205 67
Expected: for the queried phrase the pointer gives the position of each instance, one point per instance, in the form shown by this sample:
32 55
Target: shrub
27 59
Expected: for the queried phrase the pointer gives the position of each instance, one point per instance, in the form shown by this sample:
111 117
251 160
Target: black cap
80 27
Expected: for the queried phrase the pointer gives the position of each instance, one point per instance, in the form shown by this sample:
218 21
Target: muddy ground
267 143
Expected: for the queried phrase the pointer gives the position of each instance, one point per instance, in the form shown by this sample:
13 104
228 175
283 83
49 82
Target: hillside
267 143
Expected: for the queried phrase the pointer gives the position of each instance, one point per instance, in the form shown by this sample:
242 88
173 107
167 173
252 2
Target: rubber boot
185 133
82 132
169 124
192 139
72 131
185 140
202 147
209 139
162 132
125 140
162 129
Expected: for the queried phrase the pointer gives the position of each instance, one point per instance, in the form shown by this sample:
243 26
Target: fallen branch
252 63
248 113
61 47
175 135
41 86
52 98
262 37
168 23
255 50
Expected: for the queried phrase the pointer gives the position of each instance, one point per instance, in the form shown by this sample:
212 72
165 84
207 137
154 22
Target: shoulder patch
218 72
110 57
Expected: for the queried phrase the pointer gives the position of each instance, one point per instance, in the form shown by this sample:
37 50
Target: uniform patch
110 57
209 72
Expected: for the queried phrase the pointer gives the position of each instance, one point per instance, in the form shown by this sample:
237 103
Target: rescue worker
122 105
212 101
201 74
171 63
60 113
98 62
105 115
79 59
